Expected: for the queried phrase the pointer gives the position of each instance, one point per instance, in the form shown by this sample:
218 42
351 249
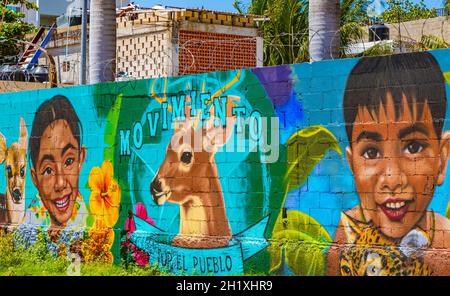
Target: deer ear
221 134
197 120
179 125
352 228
23 138
175 125
229 129
2 148
218 136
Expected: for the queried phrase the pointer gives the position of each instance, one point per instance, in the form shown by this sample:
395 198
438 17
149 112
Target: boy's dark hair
416 75
58 107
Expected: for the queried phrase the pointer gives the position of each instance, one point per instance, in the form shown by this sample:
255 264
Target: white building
167 41
49 10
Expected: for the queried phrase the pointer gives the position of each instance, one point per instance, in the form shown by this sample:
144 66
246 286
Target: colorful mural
329 168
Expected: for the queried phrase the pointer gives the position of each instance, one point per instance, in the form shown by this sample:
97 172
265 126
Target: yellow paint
158 98
165 89
447 77
215 95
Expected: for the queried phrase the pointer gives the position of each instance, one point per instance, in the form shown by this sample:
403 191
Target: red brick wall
207 52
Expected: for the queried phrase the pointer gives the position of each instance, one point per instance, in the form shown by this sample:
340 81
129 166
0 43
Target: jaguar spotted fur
369 253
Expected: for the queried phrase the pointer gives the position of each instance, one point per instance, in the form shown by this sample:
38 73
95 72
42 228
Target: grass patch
38 261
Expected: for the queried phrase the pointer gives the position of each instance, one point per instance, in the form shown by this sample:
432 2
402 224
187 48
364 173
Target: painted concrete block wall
336 167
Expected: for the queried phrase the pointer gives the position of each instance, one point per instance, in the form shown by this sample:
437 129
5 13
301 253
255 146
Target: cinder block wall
297 182
414 30
208 51
144 56
165 43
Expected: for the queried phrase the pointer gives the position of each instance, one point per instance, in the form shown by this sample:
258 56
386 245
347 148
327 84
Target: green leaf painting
448 211
303 241
112 120
447 77
298 239
305 149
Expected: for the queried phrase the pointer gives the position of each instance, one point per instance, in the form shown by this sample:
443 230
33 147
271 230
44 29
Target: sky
227 5
220 5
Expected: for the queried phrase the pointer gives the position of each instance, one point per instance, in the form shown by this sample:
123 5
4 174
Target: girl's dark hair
58 107
418 76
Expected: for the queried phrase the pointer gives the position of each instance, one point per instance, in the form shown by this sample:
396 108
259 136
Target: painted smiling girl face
57 169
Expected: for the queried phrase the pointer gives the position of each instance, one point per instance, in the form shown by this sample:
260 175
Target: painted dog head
15 159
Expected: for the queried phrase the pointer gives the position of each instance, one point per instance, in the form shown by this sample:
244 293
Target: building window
15 8
66 66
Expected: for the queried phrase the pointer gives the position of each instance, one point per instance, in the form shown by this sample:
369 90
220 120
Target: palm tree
324 21
286 35
102 41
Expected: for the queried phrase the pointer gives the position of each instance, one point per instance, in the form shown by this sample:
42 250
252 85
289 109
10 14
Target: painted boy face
57 170
397 163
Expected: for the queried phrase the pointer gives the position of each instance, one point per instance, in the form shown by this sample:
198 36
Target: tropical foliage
430 42
38 260
406 10
297 239
286 35
301 242
427 42
12 28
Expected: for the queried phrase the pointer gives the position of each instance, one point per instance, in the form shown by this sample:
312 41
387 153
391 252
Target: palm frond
286 35
382 48
238 6
430 42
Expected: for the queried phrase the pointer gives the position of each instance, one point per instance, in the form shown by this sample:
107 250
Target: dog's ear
2 148
23 137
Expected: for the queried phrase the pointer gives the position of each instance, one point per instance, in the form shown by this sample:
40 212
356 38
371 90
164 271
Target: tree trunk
324 22
102 41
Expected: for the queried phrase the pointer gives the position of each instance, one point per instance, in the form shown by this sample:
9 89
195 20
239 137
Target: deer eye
186 157
9 170
22 171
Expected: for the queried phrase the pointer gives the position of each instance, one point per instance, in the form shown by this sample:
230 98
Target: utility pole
83 43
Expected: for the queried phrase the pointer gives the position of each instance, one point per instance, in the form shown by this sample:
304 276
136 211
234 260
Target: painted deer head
189 177
189 167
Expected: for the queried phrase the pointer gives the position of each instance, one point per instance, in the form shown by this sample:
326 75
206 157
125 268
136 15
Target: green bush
38 261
